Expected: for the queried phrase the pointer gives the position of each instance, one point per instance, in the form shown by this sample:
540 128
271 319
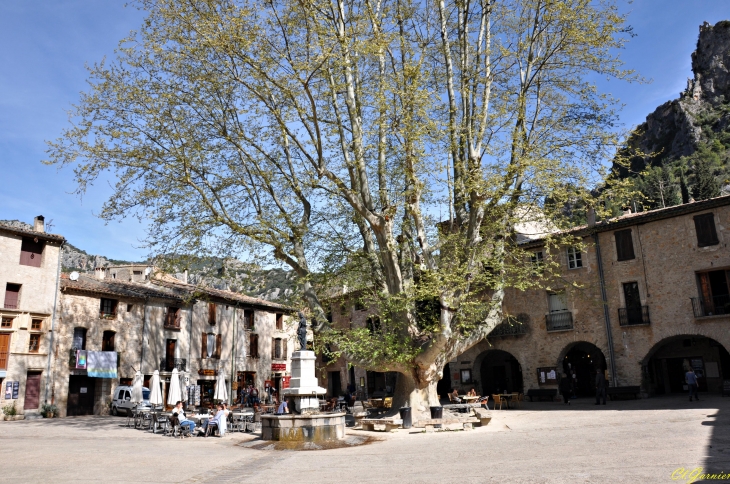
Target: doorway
670 359
334 383
80 395
32 390
500 372
580 363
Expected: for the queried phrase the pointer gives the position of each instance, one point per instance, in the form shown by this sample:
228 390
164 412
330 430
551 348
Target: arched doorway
580 362
500 372
667 362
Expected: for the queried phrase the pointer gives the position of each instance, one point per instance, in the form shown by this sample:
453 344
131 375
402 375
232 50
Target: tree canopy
391 145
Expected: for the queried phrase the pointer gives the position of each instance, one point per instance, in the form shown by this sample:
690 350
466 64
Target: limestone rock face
674 130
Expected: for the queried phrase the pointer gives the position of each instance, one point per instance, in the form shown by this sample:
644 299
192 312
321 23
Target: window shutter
624 245
254 346
283 349
218 346
204 346
12 291
707 293
211 314
31 252
557 302
273 347
178 317
705 228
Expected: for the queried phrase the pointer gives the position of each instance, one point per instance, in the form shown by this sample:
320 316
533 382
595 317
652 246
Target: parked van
122 399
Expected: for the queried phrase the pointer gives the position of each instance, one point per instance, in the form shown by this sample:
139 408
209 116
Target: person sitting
219 420
283 408
455 396
472 393
180 414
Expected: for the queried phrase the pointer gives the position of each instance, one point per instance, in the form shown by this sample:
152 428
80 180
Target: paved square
625 441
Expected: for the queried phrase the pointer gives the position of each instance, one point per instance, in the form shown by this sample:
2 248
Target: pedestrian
565 388
691 380
600 387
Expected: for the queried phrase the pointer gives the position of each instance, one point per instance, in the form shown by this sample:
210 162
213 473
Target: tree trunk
419 393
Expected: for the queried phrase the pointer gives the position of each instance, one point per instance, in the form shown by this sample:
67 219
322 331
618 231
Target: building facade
29 271
644 297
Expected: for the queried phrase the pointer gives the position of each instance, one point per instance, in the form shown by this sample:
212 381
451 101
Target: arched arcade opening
579 361
500 372
669 360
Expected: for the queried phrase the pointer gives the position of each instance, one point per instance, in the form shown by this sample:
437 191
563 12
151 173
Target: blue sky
44 46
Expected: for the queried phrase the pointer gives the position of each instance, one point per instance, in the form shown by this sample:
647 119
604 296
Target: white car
122 399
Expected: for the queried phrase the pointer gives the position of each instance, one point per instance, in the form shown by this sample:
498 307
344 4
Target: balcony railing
507 329
169 364
633 316
717 306
559 321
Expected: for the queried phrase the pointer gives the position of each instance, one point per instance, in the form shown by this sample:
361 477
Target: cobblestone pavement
625 441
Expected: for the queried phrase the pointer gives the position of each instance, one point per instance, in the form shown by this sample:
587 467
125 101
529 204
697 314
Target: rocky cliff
698 120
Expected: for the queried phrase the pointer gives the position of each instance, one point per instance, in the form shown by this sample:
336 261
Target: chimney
100 272
591 217
38 224
185 276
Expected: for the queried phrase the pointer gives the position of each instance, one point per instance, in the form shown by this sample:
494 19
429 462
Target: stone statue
302 332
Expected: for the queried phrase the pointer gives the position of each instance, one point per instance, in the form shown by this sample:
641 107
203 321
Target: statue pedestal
303 385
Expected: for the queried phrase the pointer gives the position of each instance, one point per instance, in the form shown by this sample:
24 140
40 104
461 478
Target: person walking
600 387
691 380
565 388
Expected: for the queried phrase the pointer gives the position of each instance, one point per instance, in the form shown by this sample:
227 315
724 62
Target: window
278 348
79 340
536 258
705 228
31 251
279 321
211 314
575 258
107 341
6 323
253 345
211 345
36 324
373 325
108 308
35 343
172 318
359 305
12 296
624 245
631 295
557 302
130 307
248 318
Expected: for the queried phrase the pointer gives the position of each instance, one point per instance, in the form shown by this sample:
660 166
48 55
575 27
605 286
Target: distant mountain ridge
231 274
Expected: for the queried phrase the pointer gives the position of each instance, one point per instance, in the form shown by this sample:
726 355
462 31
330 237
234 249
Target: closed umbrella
137 396
174 395
221 393
156 391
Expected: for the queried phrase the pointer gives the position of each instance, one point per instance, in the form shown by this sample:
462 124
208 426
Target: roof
32 233
116 288
170 282
637 218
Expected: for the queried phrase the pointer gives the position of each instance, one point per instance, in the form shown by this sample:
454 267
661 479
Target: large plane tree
392 146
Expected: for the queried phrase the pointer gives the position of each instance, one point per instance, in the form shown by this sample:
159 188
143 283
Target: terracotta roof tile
32 233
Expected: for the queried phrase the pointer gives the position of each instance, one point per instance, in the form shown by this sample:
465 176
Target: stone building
644 297
29 269
156 322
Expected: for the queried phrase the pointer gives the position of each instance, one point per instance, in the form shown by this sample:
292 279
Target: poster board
547 375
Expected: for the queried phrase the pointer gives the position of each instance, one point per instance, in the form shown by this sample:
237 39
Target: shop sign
207 372
285 381
278 367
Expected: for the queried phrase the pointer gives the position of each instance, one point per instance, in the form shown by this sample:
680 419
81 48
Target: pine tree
705 184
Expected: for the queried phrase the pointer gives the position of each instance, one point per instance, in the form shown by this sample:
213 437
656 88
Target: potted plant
11 413
49 410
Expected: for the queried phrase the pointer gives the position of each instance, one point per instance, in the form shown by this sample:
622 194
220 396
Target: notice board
547 375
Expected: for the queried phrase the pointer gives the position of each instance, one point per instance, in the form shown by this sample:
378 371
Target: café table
508 398
469 399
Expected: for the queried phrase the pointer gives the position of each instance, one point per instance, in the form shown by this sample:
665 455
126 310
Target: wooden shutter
211 314
273 347
706 292
283 349
624 245
4 350
12 292
31 252
705 228
204 345
218 344
254 345
178 317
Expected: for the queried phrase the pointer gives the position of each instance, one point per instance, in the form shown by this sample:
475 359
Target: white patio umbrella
174 395
137 396
156 390
221 393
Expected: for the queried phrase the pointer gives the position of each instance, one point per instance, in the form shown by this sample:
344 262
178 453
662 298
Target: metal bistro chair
159 420
497 401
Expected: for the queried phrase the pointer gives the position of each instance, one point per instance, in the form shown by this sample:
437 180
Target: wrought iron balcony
633 316
169 364
716 306
508 329
559 321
